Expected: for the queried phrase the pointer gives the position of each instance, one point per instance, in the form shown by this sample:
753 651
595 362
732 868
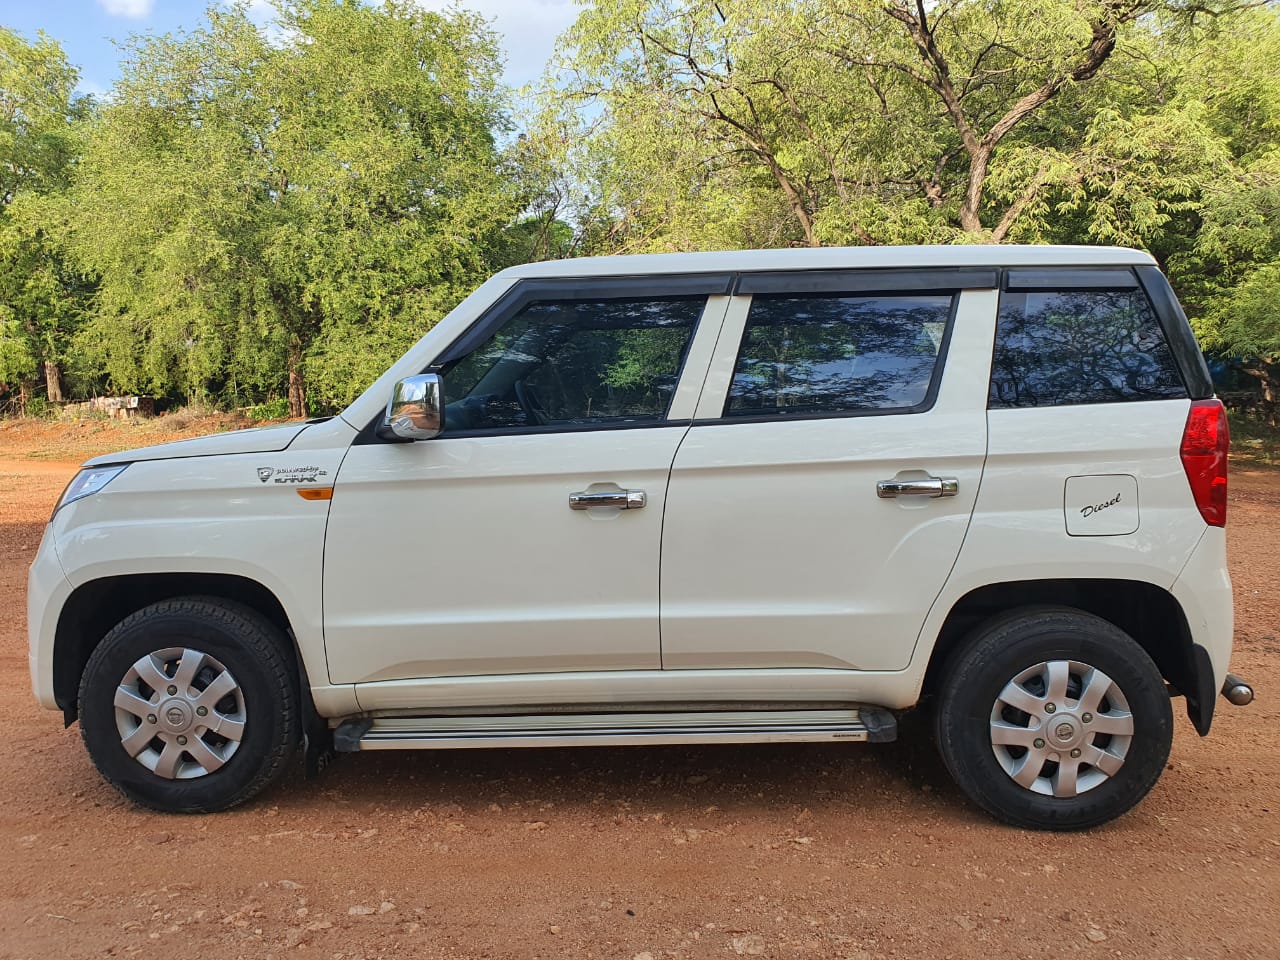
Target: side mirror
416 410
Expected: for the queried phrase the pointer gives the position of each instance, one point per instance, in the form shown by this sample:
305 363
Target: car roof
833 258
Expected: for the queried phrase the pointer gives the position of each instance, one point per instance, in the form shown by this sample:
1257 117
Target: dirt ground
809 851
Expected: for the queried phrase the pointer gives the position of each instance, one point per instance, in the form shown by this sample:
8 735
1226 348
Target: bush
277 409
39 408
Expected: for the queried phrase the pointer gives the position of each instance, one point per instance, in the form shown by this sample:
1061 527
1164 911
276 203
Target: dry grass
1253 442
77 440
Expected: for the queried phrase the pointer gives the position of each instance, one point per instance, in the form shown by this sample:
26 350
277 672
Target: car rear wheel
1052 718
190 705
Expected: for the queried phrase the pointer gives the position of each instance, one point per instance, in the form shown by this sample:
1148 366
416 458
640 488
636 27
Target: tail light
1205 440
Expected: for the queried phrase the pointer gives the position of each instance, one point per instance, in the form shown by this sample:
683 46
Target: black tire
1005 647
260 660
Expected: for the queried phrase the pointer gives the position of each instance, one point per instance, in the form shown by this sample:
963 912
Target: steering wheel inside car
531 404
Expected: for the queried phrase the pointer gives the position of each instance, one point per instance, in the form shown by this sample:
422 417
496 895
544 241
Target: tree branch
760 147
914 18
1015 209
1095 55
940 83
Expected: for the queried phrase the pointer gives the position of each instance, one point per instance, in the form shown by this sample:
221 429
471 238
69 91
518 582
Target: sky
86 28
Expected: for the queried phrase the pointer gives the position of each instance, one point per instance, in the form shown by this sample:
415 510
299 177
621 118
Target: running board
856 724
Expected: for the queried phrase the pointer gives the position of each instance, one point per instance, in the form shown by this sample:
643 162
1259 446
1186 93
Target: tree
42 297
854 122
1224 253
307 206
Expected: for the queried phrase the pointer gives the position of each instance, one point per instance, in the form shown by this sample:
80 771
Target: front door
820 499
525 538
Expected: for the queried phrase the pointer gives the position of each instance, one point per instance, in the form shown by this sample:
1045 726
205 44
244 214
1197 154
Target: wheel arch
1148 613
93 608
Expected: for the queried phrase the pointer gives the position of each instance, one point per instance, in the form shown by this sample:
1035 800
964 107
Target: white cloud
89 88
528 29
133 9
262 14
261 11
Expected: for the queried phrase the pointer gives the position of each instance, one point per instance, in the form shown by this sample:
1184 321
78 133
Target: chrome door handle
932 487
622 499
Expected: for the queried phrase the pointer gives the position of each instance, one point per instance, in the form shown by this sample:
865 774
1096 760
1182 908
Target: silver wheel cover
1061 728
180 713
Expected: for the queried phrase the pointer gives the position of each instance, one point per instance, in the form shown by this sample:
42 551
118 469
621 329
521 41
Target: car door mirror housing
415 410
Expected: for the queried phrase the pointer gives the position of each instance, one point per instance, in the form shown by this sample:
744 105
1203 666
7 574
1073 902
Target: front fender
212 515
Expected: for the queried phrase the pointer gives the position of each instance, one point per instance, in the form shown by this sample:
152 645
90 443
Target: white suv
704 498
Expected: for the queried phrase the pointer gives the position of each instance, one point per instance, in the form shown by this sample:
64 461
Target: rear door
1093 376
820 499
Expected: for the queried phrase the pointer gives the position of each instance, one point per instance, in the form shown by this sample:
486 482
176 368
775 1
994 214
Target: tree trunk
53 381
794 200
970 221
297 383
1267 373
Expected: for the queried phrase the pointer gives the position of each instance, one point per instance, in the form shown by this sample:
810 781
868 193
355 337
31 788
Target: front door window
573 364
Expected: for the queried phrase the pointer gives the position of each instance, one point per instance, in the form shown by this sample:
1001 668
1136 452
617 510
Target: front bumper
47 591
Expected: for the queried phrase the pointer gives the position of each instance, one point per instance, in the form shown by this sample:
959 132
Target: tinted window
1080 346
837 354
569 363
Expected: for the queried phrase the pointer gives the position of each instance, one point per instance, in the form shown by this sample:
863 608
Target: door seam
666 493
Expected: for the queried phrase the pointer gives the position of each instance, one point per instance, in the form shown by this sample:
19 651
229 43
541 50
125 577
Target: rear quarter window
1062 347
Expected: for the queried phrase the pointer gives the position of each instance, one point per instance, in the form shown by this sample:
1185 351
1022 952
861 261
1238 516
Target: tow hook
1237 691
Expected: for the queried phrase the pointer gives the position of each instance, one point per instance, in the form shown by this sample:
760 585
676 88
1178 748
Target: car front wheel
190 705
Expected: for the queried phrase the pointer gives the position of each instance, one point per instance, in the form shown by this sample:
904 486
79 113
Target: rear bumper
1203 590
47 591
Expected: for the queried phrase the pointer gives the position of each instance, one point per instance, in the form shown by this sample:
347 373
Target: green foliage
773 121
766 122
277 409
694 124
1225 255
642 357
40 408
42 295
270 217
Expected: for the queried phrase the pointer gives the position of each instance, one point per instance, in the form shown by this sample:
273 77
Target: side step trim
856 724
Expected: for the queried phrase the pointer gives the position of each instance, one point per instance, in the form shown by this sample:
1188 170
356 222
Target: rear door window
1061 347
838 354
